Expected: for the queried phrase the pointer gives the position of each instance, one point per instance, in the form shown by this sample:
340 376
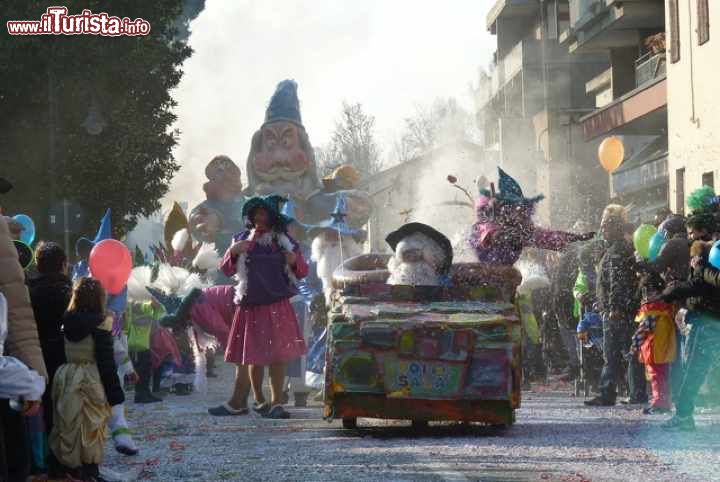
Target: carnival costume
504 225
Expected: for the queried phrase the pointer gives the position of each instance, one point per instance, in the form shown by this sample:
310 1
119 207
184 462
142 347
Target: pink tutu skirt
264 335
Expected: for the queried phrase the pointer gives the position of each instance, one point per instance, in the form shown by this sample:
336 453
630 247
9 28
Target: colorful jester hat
509 191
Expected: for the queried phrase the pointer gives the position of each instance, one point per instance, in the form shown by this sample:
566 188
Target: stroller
590 353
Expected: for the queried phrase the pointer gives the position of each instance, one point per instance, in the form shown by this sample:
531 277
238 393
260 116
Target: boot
143 396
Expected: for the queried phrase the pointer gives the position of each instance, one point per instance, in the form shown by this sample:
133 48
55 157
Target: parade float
445 351
415 336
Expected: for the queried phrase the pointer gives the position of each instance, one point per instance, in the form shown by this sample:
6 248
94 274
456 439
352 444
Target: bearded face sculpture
281 160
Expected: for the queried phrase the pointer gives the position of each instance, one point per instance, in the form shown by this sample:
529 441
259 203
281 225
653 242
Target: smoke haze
389 56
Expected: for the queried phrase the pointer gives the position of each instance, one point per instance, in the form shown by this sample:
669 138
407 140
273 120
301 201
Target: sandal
226 410
277 412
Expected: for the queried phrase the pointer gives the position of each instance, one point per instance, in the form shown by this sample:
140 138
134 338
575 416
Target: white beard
327 255
414 274
417 273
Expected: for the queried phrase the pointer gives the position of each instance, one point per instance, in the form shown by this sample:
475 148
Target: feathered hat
509 191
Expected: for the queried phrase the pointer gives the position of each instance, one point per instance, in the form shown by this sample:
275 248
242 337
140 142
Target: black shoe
277 412
182 389
599 402
211 373
652 410
146 397
226 410
301 400
127 451
634 401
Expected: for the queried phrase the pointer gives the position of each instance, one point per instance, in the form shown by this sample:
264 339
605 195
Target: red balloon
110 263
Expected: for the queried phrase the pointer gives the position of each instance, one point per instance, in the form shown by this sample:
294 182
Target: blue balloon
656 243
714 257
28 233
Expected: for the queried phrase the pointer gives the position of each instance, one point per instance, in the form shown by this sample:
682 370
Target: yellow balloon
611 153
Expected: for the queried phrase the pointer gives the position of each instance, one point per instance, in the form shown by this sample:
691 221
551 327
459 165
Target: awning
640 111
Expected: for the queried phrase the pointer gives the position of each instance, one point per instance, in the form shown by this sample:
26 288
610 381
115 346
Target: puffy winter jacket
22 341
701 291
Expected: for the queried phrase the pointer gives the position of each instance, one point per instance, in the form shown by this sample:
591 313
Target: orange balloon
611 153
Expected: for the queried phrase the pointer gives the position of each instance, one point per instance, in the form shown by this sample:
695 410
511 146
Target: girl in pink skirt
265 261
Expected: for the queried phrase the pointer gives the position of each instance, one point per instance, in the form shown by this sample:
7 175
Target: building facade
530 105
630 94
693 115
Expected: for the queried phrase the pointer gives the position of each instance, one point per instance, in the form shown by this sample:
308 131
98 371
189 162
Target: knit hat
284 104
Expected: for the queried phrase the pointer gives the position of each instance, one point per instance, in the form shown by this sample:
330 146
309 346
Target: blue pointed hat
83 244
176 308
284 104
336 222
509 191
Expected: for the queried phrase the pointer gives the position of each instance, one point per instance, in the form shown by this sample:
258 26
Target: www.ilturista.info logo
56 21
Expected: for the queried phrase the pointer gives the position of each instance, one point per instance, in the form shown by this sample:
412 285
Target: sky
389 55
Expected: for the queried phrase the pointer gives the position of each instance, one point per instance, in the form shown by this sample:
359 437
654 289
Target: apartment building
631 93
529 106
693 104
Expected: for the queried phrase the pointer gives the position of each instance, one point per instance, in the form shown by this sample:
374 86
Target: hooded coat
22 341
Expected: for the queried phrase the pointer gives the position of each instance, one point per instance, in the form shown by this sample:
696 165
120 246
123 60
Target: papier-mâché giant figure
282 161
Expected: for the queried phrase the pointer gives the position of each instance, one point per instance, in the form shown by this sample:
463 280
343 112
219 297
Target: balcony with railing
525 53
649 68
583 11
605 24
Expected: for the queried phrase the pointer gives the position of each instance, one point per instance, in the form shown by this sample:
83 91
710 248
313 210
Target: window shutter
703 30
674 31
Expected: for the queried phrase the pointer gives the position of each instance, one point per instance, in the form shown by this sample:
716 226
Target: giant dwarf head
281 159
